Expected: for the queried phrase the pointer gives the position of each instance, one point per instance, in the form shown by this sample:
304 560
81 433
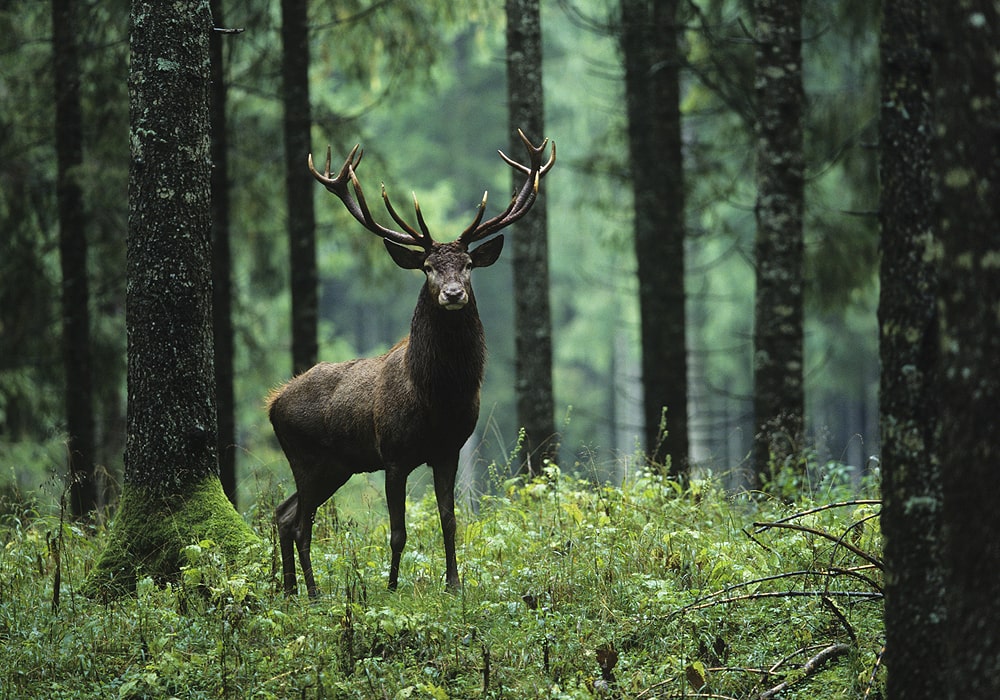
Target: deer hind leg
295 526
295 521
304 544
286 516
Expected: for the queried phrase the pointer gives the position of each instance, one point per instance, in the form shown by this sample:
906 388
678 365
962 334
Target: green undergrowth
570 590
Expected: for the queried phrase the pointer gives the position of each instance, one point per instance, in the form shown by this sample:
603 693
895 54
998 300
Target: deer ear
406 258
487 254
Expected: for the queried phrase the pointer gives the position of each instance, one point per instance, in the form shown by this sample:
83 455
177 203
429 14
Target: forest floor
570 590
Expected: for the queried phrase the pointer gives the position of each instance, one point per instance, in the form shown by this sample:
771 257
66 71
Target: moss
150 530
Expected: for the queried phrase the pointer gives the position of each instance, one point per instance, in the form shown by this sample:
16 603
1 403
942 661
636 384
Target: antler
522 200
359 207
479 229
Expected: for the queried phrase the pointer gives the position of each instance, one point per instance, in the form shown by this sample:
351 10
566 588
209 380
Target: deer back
327 412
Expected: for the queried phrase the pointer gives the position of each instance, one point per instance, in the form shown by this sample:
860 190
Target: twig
744 669
713 598
838 613
773 670
486 669
786 574
825 535
855 572
648 692
809 668
866 595
871 678
829 506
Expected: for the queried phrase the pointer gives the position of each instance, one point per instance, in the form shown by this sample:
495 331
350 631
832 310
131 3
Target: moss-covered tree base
149 531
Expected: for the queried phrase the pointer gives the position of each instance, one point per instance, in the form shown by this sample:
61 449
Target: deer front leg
395 498
444 491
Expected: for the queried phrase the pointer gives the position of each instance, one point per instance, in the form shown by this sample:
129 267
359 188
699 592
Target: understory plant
571 589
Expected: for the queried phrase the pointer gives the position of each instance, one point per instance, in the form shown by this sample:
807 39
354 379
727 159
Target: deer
416 404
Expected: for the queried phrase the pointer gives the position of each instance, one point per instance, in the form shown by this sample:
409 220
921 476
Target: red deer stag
416 404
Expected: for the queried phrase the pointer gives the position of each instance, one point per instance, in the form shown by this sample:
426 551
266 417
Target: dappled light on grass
570 590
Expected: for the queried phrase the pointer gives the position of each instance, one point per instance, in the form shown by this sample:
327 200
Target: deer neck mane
446 353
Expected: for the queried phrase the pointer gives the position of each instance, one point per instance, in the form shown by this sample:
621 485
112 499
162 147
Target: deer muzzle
453 296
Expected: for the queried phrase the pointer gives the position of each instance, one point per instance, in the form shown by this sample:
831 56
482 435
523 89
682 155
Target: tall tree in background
779 400
73 259
298 182
652 58
171 493
222 295
967 155
911 482
532 313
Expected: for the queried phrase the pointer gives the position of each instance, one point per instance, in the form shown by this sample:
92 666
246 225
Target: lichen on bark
779 394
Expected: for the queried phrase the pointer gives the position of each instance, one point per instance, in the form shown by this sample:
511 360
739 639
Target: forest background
422 87
938 391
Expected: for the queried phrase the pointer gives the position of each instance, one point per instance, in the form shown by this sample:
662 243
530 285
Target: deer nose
453 296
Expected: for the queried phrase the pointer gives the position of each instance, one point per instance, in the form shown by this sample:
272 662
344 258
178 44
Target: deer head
447 266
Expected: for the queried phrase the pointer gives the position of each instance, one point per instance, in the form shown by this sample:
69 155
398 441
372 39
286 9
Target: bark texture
652 59
76 345
779 400
222 303
299 183
967 151
911 482
171 467
532 310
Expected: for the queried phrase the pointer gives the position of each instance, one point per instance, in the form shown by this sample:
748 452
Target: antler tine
338 185
523 199
420 220
356 205
535 154
423 237
480 210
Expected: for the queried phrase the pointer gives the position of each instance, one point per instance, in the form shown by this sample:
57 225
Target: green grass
571 590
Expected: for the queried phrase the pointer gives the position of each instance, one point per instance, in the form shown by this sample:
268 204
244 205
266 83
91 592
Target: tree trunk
299 183
171 493
967 151
73 260
532 314
222 315
652 60
911 482
779 402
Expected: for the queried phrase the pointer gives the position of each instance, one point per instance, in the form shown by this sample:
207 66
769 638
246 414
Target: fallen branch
839 614
831 573
783 661
809 668
825 535
863 595
828 506
875 668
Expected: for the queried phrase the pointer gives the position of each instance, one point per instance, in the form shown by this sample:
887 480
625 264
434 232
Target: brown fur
418 403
